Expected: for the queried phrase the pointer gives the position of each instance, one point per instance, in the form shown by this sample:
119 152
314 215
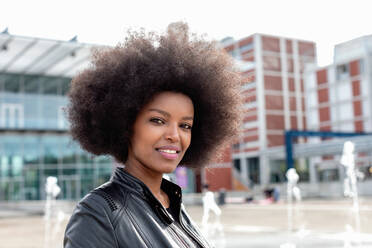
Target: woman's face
161 133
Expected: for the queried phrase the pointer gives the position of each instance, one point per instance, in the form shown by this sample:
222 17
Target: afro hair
106 97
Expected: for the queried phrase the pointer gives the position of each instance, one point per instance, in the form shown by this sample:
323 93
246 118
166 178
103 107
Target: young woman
153 103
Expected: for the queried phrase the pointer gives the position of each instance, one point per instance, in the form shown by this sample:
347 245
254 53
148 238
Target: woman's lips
168 154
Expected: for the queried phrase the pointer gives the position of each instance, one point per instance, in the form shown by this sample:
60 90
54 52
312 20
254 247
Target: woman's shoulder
91 224
108 196
97 206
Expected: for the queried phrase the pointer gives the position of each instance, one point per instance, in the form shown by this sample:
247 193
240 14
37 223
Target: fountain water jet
213 231
51 214
351 191
292 192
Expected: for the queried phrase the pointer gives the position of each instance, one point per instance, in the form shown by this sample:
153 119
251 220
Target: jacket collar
136 186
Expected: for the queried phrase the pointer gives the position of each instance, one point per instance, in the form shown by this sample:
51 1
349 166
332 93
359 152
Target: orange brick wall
275 122
306 48
323 95
273 82
218 178
275 140
321 76
270 44
274 102
324 114
354 68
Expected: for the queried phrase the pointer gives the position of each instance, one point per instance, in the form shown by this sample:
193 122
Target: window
254 170
69 151
51 149
246 47
236 146
31 149
302 168
342 71
11 155
278 169
51 86
237 164
4 166
11 83
234 53
328 175
31 84
11 115
65 85
34 84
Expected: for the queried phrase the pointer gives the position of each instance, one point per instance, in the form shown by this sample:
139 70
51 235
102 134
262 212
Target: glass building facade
35 144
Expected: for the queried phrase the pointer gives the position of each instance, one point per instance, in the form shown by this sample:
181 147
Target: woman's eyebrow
168 115
188 118
160 111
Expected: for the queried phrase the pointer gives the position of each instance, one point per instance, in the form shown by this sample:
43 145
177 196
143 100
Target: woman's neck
150 179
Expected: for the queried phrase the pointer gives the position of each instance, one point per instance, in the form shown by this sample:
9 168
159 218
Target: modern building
35 75
284 89
274 100
338 99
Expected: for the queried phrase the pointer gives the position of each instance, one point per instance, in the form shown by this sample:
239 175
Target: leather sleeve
90 225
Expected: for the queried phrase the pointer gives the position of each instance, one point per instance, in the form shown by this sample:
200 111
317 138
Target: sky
326 22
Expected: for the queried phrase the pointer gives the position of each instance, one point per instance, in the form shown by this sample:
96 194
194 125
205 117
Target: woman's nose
172 133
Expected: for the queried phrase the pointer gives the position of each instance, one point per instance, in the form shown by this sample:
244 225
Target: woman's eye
186 126
157 121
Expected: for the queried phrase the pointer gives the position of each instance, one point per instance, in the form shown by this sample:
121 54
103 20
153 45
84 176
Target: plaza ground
311 223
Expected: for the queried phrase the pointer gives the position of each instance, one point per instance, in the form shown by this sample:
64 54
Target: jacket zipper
176 235
172 227
190 232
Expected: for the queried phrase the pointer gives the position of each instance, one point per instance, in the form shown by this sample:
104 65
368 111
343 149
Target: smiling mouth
167 151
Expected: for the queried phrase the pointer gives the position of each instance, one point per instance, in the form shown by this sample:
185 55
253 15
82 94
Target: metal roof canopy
36 56
289 135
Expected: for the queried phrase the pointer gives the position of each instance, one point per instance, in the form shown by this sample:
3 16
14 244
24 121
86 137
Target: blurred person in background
153 103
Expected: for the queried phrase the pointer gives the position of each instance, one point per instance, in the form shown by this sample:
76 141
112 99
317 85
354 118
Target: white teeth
168 151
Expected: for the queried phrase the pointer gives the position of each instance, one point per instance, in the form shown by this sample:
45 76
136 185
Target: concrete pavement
316 223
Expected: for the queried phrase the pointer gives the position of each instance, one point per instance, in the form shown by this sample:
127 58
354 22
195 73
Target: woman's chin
169 170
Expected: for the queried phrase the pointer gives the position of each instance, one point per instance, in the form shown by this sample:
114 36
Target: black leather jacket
123 213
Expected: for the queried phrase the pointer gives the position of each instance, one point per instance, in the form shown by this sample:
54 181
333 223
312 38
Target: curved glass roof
28 55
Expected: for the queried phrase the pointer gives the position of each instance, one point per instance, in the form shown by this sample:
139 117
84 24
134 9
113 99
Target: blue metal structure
290 134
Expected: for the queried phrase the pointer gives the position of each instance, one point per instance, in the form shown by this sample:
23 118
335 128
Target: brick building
273 88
